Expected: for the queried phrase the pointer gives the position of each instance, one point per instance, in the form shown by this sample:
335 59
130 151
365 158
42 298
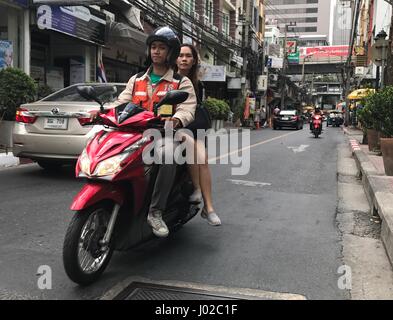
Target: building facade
312 17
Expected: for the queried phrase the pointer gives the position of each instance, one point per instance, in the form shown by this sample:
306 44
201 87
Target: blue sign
77 21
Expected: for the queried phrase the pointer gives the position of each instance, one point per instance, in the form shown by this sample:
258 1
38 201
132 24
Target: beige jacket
185 111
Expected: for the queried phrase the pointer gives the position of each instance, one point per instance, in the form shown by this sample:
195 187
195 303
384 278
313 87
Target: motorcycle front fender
94 192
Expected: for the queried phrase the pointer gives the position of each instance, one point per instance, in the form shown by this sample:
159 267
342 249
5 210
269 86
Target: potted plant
370 135
219 111
16 88
381 109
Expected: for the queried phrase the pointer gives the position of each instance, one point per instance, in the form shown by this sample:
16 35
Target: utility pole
284 66
355 6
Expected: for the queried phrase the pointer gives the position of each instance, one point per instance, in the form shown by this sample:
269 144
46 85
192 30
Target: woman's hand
175 122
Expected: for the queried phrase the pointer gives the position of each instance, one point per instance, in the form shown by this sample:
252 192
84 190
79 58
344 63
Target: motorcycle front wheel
84 258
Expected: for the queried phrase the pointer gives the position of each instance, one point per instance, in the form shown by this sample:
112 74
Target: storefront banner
212 73
234 83
325 53
6 54
77 21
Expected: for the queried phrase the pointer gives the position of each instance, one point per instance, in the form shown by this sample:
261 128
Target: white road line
301 148
249 183
252 146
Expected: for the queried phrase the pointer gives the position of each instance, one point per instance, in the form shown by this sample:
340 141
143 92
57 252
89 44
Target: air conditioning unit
215 28
273 77
196 16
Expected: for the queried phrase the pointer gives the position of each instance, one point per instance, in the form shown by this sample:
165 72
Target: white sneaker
196 197
212 218
159 228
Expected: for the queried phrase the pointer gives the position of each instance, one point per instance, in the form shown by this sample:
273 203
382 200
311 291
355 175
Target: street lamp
381 44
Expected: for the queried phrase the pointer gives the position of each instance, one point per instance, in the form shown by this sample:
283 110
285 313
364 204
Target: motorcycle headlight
84 162
111 165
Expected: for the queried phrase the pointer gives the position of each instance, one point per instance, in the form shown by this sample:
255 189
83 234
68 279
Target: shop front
14 34
64 44
124 53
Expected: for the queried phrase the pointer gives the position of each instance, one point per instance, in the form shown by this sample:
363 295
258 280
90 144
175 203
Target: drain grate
150 291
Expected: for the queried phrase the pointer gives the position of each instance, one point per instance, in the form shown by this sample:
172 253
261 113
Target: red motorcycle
316 126
111 209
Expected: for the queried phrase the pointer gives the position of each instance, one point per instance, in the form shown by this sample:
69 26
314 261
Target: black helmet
169 37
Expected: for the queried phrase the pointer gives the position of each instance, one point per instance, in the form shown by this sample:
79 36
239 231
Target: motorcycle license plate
56 123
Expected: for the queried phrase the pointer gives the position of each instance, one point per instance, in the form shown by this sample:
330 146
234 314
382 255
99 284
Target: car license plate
285 118
56 123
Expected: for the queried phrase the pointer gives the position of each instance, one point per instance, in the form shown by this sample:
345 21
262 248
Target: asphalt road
279 230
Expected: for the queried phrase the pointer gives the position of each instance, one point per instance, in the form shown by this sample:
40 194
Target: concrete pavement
378 186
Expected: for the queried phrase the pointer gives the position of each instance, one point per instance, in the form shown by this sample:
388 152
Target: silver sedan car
50 130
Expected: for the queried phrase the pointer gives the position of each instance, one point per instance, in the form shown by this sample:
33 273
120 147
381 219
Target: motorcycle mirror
173 97
89 93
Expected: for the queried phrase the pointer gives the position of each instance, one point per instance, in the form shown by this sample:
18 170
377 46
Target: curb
379 192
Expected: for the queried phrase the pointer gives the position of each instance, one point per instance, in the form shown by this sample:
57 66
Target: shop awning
119 30
360 94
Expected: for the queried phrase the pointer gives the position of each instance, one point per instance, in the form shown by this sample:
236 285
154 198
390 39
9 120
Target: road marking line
250 183
301 148
252 146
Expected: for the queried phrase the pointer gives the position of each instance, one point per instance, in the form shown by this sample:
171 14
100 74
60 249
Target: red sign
291 46
324 53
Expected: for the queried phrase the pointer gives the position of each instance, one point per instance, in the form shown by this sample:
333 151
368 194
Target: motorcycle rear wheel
83 257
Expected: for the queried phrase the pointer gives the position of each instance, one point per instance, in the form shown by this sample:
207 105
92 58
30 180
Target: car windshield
71 94
288 113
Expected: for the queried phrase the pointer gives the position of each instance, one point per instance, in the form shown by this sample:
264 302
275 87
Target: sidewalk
378 186
8 159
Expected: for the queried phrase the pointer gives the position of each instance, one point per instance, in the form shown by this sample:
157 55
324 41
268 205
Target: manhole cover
149 291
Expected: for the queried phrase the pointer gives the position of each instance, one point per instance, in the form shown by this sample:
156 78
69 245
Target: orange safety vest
141 96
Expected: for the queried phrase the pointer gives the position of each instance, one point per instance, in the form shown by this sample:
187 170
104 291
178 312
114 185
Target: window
209 10
188 6
225 24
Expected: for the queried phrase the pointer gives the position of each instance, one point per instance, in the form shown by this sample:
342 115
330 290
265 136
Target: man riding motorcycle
146 89
317 111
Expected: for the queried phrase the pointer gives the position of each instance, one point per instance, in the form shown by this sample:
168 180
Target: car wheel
49 165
